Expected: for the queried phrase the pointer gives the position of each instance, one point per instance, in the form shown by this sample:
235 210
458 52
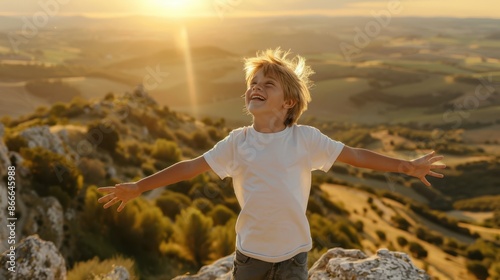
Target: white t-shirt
272 179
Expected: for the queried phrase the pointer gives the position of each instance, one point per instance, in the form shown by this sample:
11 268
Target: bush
479 270
15 142
209 190
171 203
417 250
381 235
51 172
96 269
224 240
202 204
167 151
103 135
193 232
402 241
358 225
93 171
199 140
221 214
400 222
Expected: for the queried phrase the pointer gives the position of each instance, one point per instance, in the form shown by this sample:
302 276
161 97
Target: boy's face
265 96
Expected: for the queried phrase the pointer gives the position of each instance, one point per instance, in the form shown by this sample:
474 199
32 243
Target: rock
44 217
340 263
118 273
336 264
40 136
35 259
219 270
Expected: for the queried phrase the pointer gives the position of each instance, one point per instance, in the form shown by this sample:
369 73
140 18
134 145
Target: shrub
50 170
202 204
224 240
193 232
15 142
167 151
96 269
358 225
199 140
171 203
207 190
381 235
400 222
479 270
402 241
93 171
103 135
417 250
221 214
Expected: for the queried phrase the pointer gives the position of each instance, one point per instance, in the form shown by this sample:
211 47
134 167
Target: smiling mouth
257 97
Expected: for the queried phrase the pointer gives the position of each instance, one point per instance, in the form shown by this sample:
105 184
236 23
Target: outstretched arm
419 167
180 171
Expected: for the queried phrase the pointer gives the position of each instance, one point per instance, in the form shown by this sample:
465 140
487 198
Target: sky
181 8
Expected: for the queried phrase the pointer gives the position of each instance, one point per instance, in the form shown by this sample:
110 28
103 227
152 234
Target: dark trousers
247 268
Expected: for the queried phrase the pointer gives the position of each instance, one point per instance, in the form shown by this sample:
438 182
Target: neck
268 125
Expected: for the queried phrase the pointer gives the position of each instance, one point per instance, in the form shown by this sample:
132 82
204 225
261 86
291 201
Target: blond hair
293 75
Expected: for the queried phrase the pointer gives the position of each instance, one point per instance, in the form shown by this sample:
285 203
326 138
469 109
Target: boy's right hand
123 192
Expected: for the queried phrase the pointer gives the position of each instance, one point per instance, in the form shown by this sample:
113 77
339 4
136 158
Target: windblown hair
293 75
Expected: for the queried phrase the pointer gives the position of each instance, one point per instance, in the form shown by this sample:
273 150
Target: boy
271 163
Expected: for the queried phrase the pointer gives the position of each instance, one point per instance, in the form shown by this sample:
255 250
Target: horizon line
327 13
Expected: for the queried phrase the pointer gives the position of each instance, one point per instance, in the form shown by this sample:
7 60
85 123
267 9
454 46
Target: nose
256 87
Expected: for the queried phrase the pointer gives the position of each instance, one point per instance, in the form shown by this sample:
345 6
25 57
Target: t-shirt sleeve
323 150
220 157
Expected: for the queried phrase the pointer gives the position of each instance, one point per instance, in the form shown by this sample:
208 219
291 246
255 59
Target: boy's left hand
422 166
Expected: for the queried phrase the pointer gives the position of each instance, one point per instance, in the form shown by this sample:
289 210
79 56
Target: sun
174 8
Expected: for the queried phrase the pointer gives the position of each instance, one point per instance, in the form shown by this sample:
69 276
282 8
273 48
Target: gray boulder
336 264
340 264
34 259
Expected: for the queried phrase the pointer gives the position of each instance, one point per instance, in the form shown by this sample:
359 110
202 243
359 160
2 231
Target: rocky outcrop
40 136
339 263
43 216
35 259
336 264
219 270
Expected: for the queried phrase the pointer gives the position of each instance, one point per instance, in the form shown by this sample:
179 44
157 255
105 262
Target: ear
289 104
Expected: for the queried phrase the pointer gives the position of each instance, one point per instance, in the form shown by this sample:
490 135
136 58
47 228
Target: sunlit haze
194 8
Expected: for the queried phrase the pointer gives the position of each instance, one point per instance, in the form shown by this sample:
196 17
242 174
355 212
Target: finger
106 198
434 174
122 205
430 155
434 159
111 202
424 180
438 166
106 189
